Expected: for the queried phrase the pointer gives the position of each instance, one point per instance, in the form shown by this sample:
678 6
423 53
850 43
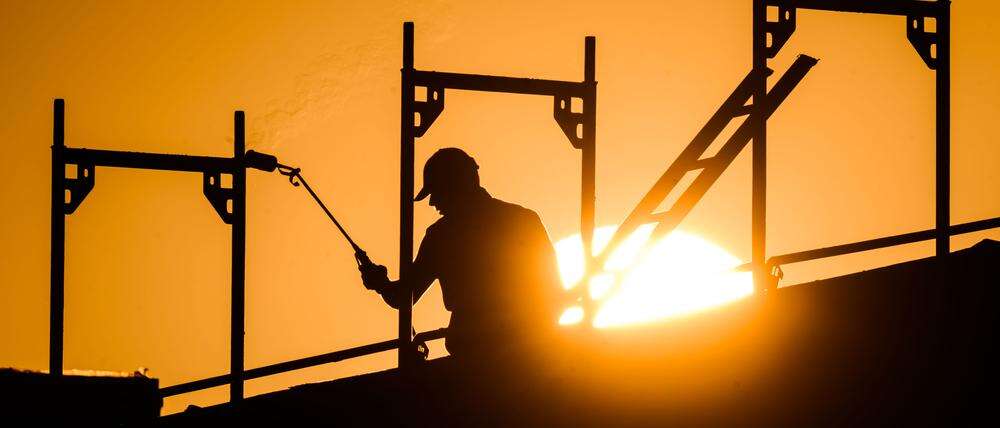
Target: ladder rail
730 109
728 153
711 168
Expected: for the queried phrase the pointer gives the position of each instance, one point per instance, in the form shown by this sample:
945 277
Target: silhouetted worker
494 260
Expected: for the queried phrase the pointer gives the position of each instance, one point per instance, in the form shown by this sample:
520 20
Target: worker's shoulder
438 225
516 211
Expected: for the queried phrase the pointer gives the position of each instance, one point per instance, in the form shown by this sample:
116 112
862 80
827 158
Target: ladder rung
743 110
703 163
657 217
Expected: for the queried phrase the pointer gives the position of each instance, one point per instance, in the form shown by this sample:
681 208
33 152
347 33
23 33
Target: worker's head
451 176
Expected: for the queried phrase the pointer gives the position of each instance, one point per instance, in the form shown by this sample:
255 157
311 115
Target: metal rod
297 364
943 132
511 85
57 243
329 214
157 161
874 244
588 178
239 261
884 7
406 142
758 121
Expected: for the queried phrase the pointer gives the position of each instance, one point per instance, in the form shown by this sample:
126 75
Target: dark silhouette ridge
908 344
39 399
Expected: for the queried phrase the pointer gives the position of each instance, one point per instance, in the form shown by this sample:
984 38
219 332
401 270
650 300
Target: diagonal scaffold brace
690 159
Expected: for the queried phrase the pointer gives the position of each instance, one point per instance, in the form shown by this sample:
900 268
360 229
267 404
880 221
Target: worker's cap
446 167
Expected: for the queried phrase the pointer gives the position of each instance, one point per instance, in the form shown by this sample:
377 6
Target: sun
679 275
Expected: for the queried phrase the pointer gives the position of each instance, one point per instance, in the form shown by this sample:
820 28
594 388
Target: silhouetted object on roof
908 344
493 259
38 399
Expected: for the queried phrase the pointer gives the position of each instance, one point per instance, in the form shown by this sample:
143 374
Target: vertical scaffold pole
239 259
758 118
58 236
943 129
406 143
588 175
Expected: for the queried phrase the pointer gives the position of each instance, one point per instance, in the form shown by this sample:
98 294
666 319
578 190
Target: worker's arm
394 292
375 277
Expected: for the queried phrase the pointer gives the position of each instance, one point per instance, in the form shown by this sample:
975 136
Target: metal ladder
736 106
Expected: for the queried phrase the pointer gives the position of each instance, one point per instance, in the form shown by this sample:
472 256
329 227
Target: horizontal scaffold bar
511 85
298 364
140 160
874 244
885 7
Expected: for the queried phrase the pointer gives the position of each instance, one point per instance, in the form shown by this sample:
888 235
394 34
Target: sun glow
681 274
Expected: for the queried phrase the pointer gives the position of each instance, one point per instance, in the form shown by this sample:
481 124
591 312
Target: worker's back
498 275
494 260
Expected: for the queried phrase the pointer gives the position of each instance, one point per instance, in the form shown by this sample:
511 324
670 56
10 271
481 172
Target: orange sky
147 272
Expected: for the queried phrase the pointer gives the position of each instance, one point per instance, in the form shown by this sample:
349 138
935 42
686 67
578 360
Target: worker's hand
394 295
375 277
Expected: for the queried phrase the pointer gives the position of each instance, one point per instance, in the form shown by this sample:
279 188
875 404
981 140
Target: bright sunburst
681 274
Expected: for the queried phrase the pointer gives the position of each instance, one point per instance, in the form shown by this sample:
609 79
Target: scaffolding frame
934 48
229 203
417 116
